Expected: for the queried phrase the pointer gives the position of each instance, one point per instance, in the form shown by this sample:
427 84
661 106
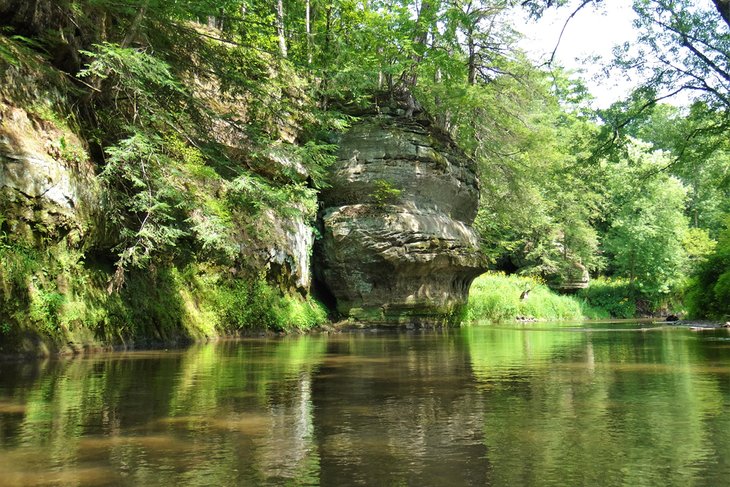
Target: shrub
385 193
256 305
708 292
614 297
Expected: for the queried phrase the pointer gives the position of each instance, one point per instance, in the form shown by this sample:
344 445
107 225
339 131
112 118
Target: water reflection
408 414
521 405
603 408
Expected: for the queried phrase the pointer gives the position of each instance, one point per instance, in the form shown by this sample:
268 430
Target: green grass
55 295
256 305
496 297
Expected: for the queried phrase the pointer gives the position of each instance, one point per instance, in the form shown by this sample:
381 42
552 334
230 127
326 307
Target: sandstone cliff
397 244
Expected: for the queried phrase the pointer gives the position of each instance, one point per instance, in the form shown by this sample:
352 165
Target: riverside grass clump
253 305
495 297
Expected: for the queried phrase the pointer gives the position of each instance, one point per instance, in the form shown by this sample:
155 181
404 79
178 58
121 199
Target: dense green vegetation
498 297
68 297
709 290
210 126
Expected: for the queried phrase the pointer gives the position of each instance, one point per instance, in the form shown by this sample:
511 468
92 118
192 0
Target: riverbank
59 302
698 324
34 346
178 307
37 348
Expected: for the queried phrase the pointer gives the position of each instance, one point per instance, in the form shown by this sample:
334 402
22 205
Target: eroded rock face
287 252
397 244
48 188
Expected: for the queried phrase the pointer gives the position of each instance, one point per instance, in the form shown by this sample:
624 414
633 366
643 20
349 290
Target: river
509 405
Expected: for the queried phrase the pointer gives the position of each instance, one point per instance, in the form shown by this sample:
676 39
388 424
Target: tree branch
562 31
723 6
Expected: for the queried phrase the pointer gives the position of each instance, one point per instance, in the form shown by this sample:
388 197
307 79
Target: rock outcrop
397 246
47 184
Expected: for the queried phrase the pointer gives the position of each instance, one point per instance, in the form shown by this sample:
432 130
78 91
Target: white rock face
291 253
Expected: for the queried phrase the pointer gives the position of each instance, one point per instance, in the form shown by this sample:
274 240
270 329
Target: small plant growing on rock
385 193
71 152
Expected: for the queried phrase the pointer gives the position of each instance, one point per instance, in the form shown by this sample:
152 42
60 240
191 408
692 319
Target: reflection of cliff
598 408
262 396
225 414
412 416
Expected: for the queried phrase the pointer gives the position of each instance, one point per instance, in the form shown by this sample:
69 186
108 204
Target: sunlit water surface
522 405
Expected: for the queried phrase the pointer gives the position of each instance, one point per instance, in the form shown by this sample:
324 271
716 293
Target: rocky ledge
397 244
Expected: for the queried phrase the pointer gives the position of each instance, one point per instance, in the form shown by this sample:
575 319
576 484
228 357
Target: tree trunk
472 58
326 53
280 27
309 32
420 38
723 6
419 41
134 27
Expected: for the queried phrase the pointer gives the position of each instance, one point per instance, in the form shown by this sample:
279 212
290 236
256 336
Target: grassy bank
496 297
57 300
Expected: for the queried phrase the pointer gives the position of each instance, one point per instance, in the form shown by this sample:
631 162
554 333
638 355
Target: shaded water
513 405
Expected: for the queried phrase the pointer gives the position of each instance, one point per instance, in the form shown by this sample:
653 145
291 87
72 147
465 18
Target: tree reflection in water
512 405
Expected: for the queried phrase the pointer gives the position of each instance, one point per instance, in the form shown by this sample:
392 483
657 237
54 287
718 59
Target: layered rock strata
48 189
397 244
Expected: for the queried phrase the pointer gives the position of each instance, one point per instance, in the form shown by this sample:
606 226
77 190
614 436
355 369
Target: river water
511 405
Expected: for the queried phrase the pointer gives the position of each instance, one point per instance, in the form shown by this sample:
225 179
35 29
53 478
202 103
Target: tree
681 48
709 290
723 6
701 160
478 28
646 222
280 27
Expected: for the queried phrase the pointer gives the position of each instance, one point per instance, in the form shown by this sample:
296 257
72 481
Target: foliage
682 47
698 244
497 297
709 290
173 189
697 152
256 305
59 296
647 224
385 193
539 203
613 297
147 207
44 309
180 121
